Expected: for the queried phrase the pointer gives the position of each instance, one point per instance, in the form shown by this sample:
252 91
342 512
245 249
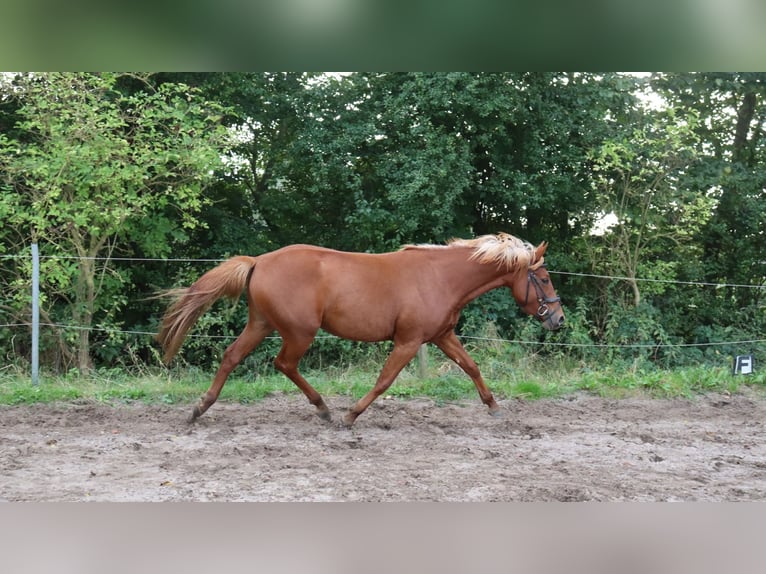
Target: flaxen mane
501 249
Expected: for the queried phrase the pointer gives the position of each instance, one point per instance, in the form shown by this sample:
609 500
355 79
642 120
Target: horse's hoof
348 420
497 412
324 414
195 414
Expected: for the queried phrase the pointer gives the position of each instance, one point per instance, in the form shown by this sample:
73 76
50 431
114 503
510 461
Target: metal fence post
35 315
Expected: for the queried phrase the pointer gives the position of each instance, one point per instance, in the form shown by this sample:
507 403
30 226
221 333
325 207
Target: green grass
529 378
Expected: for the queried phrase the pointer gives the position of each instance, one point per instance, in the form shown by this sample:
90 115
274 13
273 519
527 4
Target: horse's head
535 294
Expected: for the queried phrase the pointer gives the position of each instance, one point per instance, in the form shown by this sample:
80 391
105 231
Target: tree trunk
728 224
636 292
84 363
745 116
83 312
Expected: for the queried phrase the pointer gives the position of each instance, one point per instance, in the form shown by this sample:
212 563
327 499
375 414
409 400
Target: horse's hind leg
293 348
249 339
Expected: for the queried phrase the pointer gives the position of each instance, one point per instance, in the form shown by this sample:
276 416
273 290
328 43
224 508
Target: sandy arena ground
580 448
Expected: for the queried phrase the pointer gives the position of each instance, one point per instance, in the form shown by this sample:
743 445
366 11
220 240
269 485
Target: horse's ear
540 250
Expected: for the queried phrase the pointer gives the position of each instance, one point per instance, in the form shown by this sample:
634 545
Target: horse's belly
358 327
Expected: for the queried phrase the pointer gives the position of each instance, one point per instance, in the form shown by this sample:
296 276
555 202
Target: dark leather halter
542 300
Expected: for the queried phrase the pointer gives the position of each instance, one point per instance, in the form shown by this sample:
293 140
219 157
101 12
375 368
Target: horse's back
354 295
319 263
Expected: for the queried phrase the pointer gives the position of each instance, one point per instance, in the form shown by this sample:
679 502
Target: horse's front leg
399 357
453 348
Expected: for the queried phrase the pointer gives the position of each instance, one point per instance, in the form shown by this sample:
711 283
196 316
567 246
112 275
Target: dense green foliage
656 180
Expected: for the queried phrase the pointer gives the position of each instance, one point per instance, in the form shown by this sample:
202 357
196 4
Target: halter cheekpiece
542 300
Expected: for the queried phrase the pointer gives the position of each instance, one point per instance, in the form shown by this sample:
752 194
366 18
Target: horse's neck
466 279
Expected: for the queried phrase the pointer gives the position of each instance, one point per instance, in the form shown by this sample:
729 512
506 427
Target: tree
94 167
731 140
396 158
638 180
267 114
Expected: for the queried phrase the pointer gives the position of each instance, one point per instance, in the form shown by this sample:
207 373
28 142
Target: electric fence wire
465 337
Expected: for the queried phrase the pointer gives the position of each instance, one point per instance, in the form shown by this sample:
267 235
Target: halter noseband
542 300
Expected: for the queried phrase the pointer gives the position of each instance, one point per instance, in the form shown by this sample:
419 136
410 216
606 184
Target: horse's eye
546 281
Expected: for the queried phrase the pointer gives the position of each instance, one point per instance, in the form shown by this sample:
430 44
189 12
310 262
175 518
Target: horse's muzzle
554 321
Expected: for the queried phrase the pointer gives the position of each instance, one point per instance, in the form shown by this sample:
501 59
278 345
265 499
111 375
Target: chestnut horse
411 296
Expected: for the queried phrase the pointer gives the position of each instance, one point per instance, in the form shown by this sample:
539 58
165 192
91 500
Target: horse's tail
226 280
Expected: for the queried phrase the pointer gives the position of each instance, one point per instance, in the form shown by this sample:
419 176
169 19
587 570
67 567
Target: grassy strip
533 380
